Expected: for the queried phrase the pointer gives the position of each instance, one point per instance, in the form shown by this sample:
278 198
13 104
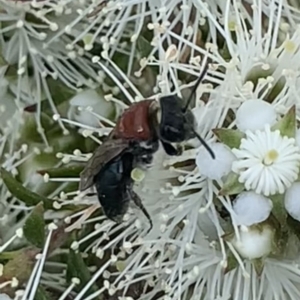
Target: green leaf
230 137
258 265
20 192
76 267
69 171
231 186
256 73
294 226
66 143
144 46
59 92
287 125
279 210
29 130
41 294
232 263
275 90
11 72
34 227
8 255
3 62
19 267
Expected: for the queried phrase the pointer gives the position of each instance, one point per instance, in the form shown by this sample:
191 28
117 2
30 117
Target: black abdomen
112 184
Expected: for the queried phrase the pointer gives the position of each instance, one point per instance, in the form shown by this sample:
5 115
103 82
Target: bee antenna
199 80
204 144
195 87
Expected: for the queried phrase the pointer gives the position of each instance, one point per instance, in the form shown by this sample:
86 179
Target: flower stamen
270 157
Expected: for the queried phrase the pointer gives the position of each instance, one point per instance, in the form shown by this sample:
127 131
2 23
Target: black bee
132 143
109 169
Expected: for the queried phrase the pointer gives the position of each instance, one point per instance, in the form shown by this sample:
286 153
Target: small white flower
267 162
254 114
251 208
216 168
254 242
292 201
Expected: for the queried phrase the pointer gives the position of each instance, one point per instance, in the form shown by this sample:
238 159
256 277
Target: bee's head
176 122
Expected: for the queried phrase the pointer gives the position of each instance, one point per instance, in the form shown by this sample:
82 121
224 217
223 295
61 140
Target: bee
109 169
132 143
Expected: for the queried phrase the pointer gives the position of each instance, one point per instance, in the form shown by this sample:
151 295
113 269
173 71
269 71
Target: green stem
280 221
279 209
8 255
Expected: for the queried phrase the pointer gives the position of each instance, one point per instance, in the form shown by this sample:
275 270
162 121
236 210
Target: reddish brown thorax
134 122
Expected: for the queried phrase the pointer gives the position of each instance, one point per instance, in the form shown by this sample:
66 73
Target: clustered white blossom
220 226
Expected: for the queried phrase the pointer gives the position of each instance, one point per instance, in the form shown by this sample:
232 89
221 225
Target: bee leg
138 202
171 150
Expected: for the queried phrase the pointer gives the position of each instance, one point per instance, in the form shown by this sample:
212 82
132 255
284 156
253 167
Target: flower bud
255 241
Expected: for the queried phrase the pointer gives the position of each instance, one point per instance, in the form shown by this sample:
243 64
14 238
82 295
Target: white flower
254 242
251 208
215 168
254 114
267 162
292 201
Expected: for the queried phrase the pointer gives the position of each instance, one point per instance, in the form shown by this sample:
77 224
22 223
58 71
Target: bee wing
102 155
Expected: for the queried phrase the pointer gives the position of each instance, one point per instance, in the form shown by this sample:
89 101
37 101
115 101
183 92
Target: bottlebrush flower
187 255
